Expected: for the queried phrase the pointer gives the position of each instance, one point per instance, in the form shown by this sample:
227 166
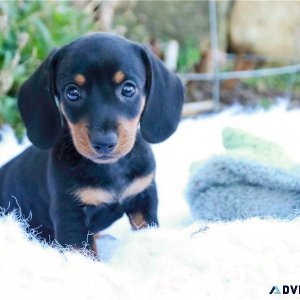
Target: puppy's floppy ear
164 100
36 101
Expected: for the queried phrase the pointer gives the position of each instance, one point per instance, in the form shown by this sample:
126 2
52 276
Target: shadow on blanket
254 178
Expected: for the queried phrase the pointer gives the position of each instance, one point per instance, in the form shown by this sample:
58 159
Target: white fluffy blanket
239 260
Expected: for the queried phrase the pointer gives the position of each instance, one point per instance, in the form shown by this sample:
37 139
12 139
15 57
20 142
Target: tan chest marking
137 186
97 196
94 196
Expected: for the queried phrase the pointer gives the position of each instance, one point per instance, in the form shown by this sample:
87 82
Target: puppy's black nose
104 143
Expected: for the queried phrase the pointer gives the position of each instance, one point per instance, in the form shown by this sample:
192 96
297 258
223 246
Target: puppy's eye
128 89
72 93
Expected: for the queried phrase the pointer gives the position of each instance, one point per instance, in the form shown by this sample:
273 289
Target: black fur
42 180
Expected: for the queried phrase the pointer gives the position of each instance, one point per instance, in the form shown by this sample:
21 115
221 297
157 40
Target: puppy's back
23 180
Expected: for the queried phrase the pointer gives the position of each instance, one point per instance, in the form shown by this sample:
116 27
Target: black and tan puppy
90 111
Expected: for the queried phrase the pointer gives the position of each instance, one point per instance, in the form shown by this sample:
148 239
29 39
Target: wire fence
216 76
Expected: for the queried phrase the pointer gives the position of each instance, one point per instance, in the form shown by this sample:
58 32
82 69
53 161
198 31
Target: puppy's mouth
105 159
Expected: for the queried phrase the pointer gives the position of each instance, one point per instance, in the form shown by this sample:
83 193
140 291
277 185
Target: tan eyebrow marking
79 79
118 77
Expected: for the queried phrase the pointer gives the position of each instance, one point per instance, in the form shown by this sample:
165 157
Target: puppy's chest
113 187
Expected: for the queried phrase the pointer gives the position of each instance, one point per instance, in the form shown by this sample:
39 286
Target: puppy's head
102 87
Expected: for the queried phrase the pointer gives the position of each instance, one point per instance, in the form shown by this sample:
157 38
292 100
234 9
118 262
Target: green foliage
283 83
265 103
189 55
29 30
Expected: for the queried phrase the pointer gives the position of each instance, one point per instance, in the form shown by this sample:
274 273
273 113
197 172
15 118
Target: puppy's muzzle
104 143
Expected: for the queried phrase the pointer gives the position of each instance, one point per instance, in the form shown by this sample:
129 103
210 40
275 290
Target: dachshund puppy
90 110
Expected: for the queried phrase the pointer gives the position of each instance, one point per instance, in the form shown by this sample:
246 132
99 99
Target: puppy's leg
69 223
142 209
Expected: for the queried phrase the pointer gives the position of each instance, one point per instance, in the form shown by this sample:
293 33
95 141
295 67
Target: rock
270 28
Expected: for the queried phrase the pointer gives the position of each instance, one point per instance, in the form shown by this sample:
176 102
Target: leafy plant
189 55
29 30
